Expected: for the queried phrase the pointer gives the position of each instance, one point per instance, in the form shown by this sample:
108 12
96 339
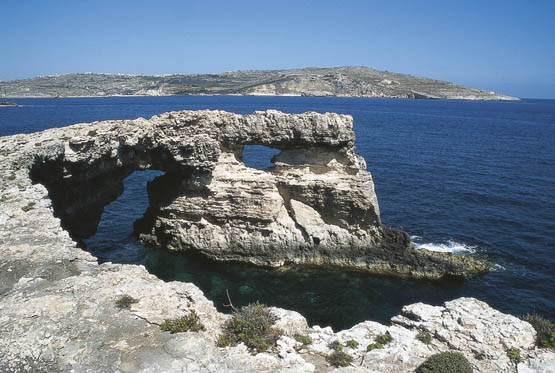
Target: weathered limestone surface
57 304
317 206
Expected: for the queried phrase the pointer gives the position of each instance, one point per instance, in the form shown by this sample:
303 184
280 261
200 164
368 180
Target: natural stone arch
317 206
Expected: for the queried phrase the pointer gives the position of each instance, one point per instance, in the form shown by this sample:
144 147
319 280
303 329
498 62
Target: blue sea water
471 177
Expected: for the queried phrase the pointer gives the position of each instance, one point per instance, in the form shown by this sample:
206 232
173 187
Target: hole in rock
259 156
114 240
325 297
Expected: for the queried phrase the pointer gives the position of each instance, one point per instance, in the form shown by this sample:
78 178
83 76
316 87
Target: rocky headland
58 305
349 81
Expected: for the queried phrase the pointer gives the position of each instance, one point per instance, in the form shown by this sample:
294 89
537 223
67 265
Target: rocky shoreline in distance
349 81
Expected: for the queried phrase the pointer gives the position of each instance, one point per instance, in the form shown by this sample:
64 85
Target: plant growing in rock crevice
514 354
188 323
545 330
352 344
336 346
125 301
374 346
28 207
253 325
304 339
445 362
384 339
339 359
424 337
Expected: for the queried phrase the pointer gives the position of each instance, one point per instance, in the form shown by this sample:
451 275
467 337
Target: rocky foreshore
58 314
58 308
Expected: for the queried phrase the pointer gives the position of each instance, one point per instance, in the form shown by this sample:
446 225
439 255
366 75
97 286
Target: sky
505 46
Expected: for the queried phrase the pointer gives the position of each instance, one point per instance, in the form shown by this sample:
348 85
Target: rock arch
316 207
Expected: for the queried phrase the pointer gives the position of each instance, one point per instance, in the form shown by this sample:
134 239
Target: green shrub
445 362
339 359
189 323
384 339
12 176
91 133
252 325
28 207
336 346
545 330
424 337
352 344
5 198
304 339
125 301
224 340
514 354
374 346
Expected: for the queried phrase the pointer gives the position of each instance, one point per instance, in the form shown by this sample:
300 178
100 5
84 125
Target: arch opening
259 156
114 240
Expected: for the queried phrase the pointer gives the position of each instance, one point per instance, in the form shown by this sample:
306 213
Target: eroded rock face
317 206
58 305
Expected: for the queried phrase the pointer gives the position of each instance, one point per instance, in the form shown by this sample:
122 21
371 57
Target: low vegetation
304 339
189 323
28 207
253 325
336 346
445 362
374 346
514 354
352 344
545 330
424 337
339 359
384 339
125 301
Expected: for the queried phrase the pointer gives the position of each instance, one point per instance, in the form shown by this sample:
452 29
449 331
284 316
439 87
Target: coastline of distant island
351 81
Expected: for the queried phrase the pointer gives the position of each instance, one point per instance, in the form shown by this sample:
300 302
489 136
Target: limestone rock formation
317 206
58 305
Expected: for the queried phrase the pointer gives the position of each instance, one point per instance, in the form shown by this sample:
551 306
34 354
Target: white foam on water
448 247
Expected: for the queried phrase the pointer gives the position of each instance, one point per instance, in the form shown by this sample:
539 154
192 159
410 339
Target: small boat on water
5 102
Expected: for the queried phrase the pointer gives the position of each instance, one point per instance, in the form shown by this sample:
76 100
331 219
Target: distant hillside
314 81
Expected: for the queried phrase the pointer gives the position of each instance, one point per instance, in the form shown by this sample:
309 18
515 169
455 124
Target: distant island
351 81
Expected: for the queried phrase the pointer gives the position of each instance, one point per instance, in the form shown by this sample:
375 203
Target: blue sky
506 46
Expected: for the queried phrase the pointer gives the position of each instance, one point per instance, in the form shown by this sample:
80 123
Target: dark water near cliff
474 177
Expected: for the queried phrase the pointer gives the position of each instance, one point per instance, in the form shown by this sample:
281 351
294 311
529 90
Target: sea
472 178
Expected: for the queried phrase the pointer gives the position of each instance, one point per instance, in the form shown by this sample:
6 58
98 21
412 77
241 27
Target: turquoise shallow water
473 177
